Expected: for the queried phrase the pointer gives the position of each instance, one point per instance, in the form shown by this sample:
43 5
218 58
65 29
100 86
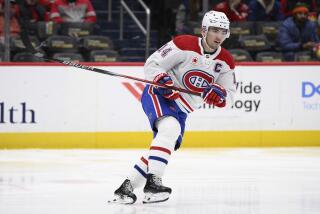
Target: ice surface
219 181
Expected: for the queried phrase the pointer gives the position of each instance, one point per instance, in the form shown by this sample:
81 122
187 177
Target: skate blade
155 198
121 200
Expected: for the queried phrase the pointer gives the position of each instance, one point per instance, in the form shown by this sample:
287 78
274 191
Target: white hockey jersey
184 59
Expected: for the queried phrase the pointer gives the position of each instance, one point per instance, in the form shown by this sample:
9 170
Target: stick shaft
101 71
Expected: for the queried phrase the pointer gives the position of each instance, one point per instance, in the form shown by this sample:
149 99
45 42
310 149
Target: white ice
218 181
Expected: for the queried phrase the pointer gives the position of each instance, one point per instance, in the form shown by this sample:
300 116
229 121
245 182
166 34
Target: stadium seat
254 43
1 56
196 27
132 51
242 28
197 31
1 47
77 57
132 59
129 43
96 43
46 29
76 29
303 56
269 29
59 43
103 56
269 56
26 57
16 44
1 52
238 29
240 55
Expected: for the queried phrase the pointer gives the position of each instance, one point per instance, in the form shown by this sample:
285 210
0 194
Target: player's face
215 37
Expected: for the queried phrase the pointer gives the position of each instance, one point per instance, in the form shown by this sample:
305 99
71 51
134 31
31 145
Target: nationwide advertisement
54 99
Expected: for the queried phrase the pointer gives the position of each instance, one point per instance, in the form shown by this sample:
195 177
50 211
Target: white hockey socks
157 158
163 145
139 173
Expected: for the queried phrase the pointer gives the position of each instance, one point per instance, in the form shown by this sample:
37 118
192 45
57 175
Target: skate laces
157 180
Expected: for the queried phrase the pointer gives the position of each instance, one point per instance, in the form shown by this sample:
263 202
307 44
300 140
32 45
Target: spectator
297 33
163 18
14 24
182 20
73 11
287 6
234 9
265 10
37 10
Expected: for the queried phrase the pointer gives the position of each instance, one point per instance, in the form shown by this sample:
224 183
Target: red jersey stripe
155 102
186 104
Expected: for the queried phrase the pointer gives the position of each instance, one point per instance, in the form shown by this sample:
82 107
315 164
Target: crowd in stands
14 24
60 23
297 31
261 30
269 30
57 11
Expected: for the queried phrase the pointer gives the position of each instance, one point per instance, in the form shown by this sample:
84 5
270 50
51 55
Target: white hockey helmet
215 19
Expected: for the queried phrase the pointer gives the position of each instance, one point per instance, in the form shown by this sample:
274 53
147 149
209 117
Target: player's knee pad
169 128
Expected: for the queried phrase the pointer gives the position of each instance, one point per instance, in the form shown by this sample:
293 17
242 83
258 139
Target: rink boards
63 107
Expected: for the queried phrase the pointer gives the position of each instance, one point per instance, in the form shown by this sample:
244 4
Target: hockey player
193 63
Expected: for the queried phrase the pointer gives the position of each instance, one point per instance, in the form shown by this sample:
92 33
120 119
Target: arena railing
145 30
7 31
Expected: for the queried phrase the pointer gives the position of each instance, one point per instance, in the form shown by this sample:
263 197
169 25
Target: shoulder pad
187 43
225 55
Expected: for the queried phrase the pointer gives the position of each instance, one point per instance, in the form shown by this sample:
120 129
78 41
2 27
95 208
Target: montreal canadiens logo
197 80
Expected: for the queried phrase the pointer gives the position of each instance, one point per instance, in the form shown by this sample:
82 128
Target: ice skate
124 194
154 190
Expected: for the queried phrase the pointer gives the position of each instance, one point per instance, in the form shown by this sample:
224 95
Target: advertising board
64 103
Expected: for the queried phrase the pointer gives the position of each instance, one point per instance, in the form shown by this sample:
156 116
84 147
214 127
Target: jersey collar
209 55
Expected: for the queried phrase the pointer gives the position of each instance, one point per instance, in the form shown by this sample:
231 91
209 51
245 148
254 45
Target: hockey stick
101 71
